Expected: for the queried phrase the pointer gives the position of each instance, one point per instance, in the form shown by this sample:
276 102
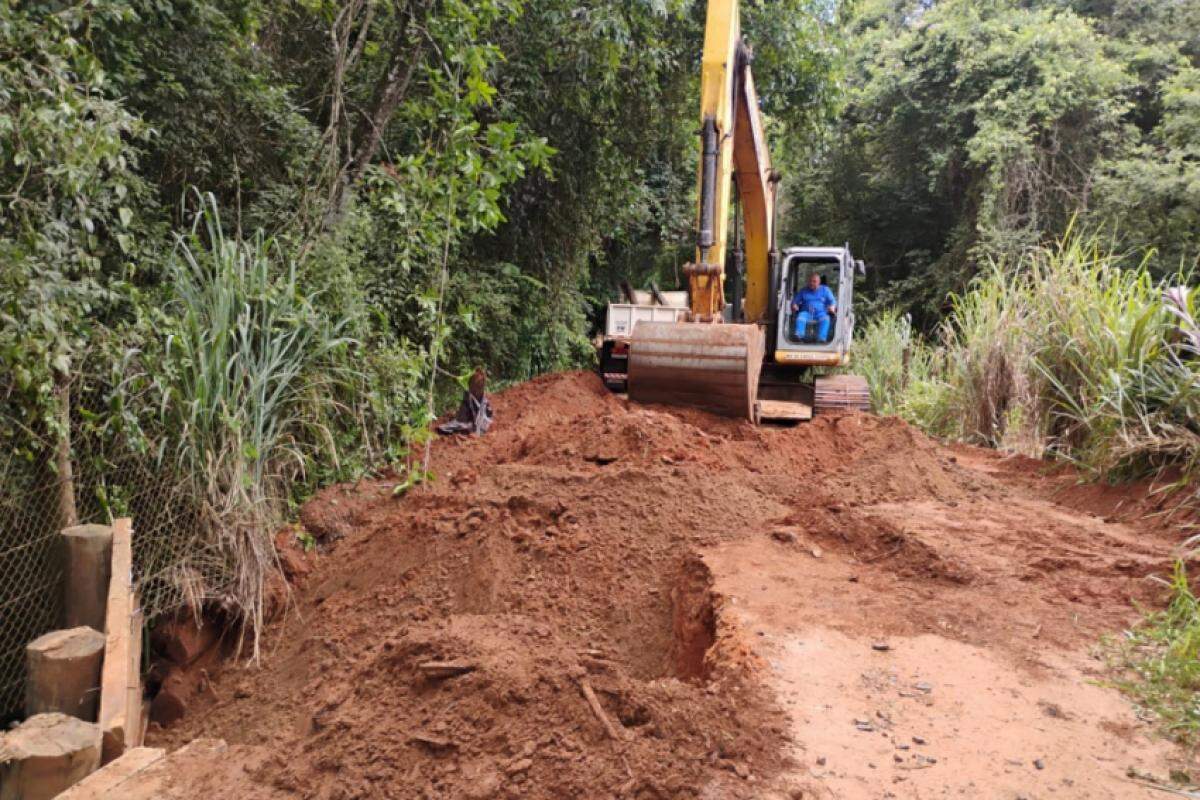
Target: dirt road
648 603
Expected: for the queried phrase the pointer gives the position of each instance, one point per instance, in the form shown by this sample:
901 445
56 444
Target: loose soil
656 603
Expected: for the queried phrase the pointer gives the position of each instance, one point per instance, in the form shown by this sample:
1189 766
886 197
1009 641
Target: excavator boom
704 362
719 357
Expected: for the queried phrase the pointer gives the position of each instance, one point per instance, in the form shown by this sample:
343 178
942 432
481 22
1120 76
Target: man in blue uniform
815 302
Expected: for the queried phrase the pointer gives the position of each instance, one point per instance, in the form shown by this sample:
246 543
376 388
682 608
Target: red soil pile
551 560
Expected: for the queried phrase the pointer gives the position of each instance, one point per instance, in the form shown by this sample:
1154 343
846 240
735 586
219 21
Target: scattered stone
816 551
521 765
899 759
864 725
1053 710
918 740
881 647
820 761
853 579
784 537
923 687
1039 763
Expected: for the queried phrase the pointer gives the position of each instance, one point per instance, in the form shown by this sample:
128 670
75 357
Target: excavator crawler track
841 393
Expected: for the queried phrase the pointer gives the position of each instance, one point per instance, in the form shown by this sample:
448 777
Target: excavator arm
704 362
733 145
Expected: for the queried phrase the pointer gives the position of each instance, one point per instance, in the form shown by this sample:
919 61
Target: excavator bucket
710 366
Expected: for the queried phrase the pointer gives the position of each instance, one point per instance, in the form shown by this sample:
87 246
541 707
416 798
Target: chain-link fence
30 569
175 564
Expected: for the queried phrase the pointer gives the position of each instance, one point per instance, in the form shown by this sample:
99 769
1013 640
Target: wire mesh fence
175 563
30 569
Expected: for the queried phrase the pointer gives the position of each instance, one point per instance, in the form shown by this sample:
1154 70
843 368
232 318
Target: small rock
1039 763
786 537
897 758
882 647
918 740
853 579
820 761
741 770
902 747
923 687
816 551
521 765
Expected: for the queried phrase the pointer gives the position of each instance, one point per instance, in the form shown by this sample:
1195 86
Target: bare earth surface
845 609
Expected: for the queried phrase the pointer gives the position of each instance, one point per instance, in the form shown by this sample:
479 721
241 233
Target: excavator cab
836 266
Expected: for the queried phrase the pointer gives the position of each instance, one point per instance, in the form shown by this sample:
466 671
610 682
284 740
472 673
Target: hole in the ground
693 621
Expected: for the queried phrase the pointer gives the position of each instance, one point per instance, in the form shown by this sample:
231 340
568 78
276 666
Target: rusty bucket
706 365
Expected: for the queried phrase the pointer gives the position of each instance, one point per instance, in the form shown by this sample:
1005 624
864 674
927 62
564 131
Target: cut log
63 673
87 554
46 755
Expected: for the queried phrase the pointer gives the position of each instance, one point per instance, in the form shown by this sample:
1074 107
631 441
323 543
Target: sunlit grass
1157 663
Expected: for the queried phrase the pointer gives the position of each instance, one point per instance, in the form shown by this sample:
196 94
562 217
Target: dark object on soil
438 670
474 414
882 647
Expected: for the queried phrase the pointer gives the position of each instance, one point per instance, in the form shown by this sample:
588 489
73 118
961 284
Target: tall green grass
1075 352
248 369
1157 663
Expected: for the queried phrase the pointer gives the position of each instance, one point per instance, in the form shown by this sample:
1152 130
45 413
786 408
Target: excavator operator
815 302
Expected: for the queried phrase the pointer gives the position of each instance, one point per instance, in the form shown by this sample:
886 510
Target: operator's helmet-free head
814 280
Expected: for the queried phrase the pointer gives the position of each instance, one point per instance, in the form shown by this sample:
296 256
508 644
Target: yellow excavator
746 357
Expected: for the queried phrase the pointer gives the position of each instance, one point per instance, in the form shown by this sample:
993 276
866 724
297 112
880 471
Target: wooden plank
115 678
134 731
106 781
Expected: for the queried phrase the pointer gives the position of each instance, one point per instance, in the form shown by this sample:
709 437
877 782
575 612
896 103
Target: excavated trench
693 621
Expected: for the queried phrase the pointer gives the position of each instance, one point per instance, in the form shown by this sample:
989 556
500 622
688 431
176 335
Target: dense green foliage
248 247
972 131
1074 353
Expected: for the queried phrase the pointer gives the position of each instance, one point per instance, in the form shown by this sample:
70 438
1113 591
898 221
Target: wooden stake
616 732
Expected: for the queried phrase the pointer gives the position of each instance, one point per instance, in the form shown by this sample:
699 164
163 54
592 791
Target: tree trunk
389 92
68 517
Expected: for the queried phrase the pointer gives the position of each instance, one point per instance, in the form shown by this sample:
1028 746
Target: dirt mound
536 623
